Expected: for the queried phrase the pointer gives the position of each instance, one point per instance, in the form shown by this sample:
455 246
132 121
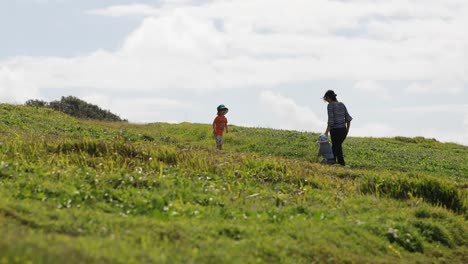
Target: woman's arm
348 119
327 131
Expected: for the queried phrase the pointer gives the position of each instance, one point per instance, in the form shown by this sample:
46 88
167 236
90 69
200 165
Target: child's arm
227 131
214 126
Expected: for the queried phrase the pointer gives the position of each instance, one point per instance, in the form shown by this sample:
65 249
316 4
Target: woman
339 122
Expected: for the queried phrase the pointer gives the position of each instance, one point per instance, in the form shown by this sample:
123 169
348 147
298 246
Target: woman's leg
338 135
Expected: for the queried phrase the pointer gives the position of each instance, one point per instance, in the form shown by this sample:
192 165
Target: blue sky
400 66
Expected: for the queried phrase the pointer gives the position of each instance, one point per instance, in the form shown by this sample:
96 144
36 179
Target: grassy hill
75 191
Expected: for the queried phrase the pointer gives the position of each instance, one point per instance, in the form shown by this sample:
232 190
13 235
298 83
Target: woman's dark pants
338 135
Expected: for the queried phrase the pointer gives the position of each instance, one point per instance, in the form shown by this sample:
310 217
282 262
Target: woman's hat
222 108
322 138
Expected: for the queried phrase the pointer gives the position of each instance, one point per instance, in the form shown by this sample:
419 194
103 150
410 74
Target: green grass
80 191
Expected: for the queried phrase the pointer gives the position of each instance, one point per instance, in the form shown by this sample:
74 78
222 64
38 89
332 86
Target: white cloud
434 109
225 44
175 36
459 137
289 114
15 86
126 10
50 1
465 122
417 88
386 130
452 87
457 133
215 45
374 130
464 137
372 87
150 109
140 9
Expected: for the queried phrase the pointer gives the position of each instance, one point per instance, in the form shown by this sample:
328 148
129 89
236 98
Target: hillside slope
88 192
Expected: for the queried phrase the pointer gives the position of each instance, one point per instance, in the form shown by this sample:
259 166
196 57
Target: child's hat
322 138
222 108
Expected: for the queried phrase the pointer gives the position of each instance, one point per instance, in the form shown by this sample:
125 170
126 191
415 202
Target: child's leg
219 142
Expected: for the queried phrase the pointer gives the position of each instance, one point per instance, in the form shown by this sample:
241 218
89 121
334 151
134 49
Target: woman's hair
330 94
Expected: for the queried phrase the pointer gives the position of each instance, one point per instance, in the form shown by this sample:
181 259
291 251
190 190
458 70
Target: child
219 125
325 150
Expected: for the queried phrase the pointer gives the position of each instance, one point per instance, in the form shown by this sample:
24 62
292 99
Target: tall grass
85 191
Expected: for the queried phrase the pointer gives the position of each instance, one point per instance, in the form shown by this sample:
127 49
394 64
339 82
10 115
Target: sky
400 66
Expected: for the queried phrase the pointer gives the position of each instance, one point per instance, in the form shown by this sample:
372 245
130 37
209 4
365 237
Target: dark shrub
76 107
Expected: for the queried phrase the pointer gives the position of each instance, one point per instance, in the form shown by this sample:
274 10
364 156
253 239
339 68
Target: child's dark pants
338 135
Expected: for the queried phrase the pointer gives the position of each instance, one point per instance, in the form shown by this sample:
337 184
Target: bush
432 190
434 232
404 237
36 103
416 140
76 107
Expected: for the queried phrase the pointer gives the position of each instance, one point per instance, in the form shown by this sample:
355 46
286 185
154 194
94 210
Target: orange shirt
220 123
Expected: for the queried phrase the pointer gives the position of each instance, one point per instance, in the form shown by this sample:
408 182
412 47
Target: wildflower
393 232
359 222
408 239
123 215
